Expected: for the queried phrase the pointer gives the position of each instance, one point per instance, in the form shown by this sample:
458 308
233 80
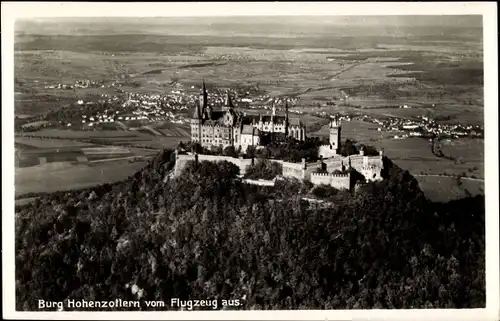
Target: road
438 175
119 158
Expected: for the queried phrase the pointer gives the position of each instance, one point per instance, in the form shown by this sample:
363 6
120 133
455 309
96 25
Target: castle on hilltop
225 126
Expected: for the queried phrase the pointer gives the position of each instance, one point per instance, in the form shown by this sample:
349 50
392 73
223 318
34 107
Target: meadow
444 189
61 176
56 159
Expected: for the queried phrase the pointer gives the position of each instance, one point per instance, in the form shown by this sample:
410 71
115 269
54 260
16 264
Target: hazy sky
406 20
286 26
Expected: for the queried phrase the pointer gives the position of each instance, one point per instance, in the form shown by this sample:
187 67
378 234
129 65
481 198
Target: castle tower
228 104
286 118
335 129
203 97
196 121
271 124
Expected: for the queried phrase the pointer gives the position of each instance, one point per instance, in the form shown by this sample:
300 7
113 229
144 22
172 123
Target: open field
49 143
415 155
443 189
62 176
112 137
31 151
53 159
360 131
466 150
24 201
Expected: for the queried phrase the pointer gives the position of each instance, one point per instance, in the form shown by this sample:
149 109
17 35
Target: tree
324 191
264 169
196 148
348 148
251 151
216 150
230 151
369 150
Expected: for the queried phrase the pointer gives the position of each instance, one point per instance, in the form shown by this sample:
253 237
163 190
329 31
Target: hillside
208 235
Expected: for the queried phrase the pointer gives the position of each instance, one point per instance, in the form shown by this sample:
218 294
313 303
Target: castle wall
260 182
340 181
182 160
311 168
369 166
292 169
320 178
289 169
180 163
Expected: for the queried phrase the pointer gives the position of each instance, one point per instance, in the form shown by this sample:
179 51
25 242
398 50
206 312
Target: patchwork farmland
56 159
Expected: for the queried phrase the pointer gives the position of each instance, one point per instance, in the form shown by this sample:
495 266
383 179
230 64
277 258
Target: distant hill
261 26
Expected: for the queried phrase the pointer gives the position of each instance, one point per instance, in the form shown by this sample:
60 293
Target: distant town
174 106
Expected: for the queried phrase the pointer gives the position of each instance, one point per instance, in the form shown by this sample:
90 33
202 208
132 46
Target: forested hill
208 235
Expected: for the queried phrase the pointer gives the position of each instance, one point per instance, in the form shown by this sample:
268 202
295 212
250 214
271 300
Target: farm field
375 71
62 176
114 137
34 151
360 131
68 159
443 189
38 143
468 151
24 201
415 155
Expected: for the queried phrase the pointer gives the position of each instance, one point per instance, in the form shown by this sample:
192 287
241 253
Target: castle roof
203 89
217 114
197 112
218 117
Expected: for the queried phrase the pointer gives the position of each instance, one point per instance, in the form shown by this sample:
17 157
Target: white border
13 10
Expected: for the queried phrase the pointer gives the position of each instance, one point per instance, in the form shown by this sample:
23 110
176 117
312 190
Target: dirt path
437 175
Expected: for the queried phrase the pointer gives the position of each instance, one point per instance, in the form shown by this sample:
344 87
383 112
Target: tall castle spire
286 117
203 96
228 104
203 89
